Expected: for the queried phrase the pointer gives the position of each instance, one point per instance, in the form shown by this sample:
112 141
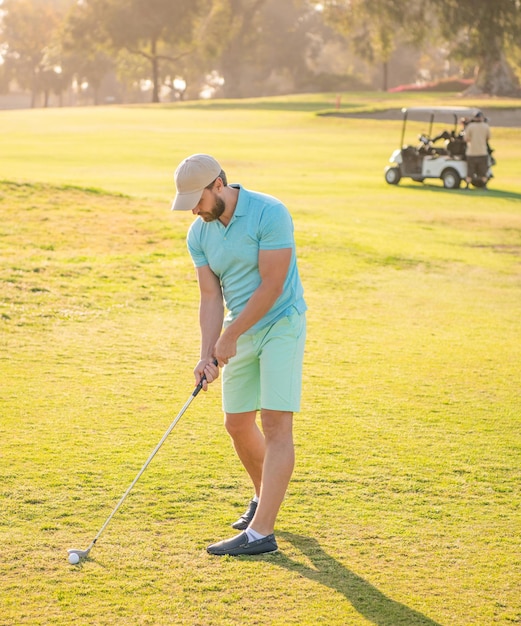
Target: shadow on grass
497 194
372 604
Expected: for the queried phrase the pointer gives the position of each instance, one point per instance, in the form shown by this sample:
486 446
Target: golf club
81 554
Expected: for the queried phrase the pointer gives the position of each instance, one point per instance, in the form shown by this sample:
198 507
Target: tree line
239 48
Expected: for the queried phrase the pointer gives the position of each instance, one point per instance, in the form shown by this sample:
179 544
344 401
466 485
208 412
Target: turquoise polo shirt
259 222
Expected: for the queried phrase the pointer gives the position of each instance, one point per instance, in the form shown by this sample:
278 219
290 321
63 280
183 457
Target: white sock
253 535
256 498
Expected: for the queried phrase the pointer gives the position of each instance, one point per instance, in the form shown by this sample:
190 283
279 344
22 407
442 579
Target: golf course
405 504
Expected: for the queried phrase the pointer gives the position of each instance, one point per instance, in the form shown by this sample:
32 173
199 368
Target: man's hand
207 368
225 348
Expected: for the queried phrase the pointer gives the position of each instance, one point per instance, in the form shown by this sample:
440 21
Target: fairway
405 505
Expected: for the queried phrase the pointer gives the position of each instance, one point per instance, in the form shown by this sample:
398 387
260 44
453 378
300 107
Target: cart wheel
451 179
392 175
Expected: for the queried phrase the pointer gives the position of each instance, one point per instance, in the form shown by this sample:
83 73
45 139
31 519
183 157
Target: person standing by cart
477 136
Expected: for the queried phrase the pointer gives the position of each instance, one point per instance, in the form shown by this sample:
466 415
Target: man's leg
249 444
279 460
483 170
275 449
470 170
269 459
267 455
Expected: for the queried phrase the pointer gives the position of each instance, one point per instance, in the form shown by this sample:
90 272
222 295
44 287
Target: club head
83 554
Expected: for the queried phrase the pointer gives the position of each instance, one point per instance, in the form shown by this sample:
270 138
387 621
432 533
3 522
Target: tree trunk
96 91
34 90
155 71
496 77
234 62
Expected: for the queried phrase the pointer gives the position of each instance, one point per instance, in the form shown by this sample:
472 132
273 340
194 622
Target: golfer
252 319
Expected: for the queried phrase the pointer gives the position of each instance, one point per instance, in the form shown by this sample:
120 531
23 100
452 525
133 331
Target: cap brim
186 201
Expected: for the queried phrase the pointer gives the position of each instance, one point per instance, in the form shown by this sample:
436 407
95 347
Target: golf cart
427 160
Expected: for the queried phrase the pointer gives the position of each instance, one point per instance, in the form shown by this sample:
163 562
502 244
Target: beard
216 211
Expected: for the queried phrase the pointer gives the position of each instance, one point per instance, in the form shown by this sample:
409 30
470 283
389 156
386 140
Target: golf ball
74 558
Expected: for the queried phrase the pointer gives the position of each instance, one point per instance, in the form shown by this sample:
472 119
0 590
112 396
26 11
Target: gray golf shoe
240 544
244 520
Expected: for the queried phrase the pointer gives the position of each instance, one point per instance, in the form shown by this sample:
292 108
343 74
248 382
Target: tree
29 34
375 27
261 47
86 53
483 33
479 33
160 31
291 35
233 37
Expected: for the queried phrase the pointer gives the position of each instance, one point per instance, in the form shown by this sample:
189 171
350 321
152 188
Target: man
243 248
477 136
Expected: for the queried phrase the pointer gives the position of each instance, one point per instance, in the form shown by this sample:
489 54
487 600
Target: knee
237 424
277 424
232 428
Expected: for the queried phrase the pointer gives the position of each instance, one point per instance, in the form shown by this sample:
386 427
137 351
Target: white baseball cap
191 177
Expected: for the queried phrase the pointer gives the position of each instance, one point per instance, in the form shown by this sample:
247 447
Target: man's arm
211 316
273 269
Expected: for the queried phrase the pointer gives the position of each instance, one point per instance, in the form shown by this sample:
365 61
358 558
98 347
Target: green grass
404 509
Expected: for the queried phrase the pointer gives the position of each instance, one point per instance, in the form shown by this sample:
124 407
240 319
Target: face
210 206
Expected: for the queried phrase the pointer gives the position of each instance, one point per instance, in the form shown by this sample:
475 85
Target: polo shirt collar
242 202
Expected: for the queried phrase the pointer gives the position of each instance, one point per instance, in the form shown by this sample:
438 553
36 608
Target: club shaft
147 463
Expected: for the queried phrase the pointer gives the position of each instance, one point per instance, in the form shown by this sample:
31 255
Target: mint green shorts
266 372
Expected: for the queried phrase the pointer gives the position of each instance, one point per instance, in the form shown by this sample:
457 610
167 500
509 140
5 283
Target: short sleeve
276 228
194 248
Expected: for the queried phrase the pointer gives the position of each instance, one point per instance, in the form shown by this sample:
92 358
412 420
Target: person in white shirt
477 136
